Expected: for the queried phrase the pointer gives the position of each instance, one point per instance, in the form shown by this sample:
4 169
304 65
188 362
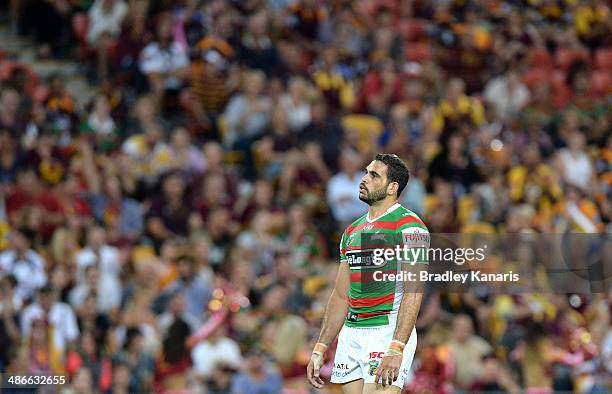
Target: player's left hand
388 370
313 369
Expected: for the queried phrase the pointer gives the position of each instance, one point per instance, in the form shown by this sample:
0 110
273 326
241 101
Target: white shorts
360 351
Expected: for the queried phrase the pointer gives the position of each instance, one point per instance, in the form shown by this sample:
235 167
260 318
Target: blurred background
175 177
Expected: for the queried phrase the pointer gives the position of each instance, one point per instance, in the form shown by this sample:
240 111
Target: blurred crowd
179 232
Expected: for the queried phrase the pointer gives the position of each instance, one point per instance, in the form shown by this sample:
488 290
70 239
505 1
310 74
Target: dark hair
131 334
397 170
46 289
173 345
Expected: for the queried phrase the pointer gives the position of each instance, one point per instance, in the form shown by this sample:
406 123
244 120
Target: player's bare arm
335 313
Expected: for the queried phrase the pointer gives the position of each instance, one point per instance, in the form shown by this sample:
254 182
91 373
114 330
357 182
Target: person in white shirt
507 94
296 105
105 18
247 113
216 350
164 61
59 315
97 252
106 290
343 201
27 266
574 165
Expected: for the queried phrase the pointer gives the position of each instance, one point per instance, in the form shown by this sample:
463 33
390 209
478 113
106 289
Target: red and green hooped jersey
374 302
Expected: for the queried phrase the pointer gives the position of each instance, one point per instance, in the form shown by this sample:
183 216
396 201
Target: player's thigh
353 387
373 388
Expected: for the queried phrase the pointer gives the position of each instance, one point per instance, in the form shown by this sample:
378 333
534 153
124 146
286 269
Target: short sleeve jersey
372 301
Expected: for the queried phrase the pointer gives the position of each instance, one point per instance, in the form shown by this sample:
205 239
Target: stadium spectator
468 351
247 114
106 17
257 376
575 165
332 80
9 114
89 355
507 94
97 284
25 265
9 323
216 350
121 379
256 49
324 130
164 61
193 289
382 88
53 315
343 203
296 104
185 156
139 361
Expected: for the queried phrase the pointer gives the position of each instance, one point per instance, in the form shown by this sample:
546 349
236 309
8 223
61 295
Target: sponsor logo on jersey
360 259
416 238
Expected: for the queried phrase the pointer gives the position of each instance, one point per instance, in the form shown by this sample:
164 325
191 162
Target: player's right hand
312 371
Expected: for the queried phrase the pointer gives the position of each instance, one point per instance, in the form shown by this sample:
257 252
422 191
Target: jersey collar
390 209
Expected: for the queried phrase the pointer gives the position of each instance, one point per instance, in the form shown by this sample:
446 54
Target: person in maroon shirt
382 87
72 196
170 211
29 199
213 193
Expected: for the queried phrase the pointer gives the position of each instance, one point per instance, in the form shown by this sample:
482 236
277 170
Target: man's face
19 242
184 269
97 237
177 304
373 186
462 328
255 362
9 100
46 301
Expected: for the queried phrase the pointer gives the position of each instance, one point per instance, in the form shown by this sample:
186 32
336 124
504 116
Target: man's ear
392 188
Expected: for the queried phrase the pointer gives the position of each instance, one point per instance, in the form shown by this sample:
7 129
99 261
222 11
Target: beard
374 196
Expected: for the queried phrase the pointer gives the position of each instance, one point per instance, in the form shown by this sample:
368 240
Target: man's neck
380 208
